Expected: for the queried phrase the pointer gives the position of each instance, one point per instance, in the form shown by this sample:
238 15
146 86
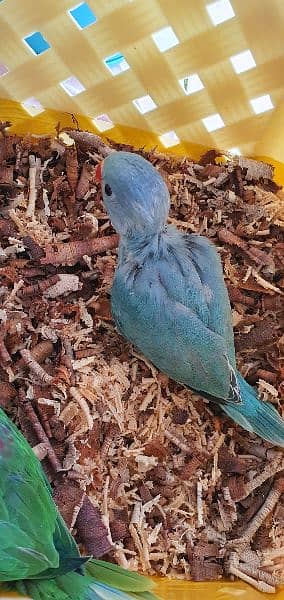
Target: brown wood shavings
69 498
254 169
69 254
91 529
144 472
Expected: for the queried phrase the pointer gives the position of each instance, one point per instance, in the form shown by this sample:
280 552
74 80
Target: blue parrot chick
169 297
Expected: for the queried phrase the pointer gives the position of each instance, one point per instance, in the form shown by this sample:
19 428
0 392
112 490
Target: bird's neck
143 244
143 247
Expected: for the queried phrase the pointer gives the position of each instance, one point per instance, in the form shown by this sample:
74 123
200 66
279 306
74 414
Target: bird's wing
171 334
208 265
27 513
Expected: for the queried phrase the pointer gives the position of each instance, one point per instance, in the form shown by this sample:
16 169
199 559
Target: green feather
27 515
75 587
38 556
124 580
34 540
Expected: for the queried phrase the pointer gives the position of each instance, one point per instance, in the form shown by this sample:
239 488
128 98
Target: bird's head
134 194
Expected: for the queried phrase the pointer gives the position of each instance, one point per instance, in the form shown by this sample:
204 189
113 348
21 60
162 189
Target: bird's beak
98 171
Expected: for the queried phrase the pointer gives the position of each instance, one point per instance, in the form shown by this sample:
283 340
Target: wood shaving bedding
171 485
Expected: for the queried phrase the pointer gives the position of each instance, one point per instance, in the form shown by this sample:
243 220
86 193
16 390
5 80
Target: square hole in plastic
191 84
116 63
220 11
213 122
169 139
235 151
37 43
32 106
82 15
261 104
144 104
165 38
103 122
72 86
3 70
243 61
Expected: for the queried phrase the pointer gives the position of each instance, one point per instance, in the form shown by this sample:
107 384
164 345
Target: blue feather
169 297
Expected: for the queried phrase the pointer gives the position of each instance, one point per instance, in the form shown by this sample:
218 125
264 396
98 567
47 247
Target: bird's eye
108 189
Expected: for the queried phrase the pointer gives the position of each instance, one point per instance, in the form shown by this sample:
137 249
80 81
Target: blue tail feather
256 416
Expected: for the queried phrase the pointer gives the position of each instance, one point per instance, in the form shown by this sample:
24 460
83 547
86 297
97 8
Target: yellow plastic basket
166 589
193 61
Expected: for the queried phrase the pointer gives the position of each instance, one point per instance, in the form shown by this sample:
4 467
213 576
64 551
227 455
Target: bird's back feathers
169 299
164 305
